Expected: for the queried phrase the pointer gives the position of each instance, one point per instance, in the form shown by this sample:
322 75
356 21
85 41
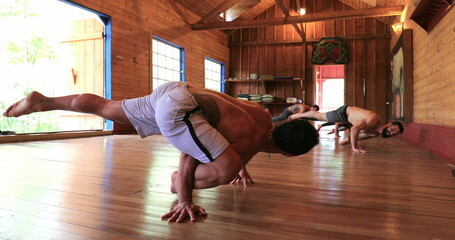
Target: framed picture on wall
401 76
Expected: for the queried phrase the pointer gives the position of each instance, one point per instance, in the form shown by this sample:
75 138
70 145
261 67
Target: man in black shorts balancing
365 124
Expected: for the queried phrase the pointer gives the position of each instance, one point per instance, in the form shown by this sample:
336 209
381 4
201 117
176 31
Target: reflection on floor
117 187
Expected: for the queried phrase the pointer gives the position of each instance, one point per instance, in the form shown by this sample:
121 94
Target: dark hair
400 126
296 137
315 106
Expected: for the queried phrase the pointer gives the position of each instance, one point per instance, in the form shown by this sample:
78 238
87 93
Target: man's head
392 129
296 137
314 108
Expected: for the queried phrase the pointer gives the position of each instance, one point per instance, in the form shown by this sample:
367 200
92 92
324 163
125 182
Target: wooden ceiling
241 13
361 4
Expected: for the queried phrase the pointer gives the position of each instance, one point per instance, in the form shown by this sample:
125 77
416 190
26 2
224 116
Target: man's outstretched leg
84 103
283 116
310 115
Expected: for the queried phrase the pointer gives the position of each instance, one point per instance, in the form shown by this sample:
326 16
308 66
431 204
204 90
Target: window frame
181 54
222 82
107 20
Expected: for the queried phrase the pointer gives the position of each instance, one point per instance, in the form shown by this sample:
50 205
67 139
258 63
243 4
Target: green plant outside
20 60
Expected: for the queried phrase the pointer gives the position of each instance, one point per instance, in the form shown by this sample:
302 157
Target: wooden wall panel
310 84
339 29
133 25
359 73
350 75
434 70
370 75
382 77
271 68
366 68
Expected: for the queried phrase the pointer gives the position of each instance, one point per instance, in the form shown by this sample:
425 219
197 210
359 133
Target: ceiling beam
225 5
286 13
259 8
315 17
308 40
179 12
373 3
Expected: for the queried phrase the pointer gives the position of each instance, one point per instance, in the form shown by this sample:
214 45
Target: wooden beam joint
315 17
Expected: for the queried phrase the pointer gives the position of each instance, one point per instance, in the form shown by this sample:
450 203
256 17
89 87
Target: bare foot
344 142
173 179
331 132
30 104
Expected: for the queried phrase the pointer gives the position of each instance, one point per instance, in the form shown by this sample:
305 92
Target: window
214 73
70 55
167 62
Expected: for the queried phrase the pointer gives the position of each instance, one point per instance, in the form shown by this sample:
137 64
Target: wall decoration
401 77
330 48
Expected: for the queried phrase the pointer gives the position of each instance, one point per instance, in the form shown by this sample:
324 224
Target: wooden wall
279 50
133 25
434 70
433 125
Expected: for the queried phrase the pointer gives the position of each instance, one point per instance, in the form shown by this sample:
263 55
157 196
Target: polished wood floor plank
117 187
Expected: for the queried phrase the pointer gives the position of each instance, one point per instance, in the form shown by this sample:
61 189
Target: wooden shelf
267 85
275 103
264 81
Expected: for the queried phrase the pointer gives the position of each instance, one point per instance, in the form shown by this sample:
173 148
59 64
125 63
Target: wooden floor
117 187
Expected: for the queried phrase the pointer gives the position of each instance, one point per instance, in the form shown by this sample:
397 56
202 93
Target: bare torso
299 108
369 121
246 125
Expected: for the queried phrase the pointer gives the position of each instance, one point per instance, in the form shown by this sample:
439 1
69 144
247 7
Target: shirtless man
296 108
217 134
365 124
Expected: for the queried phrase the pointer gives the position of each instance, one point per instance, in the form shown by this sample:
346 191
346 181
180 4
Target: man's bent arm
185 178
184 187
355 130
354 137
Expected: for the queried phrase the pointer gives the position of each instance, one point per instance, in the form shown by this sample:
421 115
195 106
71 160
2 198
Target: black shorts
338 115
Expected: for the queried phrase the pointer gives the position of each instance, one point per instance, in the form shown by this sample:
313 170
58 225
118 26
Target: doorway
329 87
67 56
330 82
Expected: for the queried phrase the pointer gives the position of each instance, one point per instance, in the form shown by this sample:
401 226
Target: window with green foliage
36 54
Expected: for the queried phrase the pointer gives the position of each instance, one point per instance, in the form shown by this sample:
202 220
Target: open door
83 55
67 56
330 84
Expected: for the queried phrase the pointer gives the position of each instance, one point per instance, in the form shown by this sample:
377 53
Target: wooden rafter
286 14
179 12
259 8
225 5
308 40
315 17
